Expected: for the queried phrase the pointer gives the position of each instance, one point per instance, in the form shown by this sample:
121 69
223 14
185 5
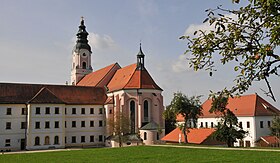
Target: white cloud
101 42
181 64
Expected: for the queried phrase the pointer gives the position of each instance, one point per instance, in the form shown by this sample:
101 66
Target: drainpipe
25 130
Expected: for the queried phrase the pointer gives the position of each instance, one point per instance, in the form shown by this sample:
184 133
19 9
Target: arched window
84 65
47 140
146 111
132 116
37 140
145 136
157 136
56 140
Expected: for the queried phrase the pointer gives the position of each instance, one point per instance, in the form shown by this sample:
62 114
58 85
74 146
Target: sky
37 38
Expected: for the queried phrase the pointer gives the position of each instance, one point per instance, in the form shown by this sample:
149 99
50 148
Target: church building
40 116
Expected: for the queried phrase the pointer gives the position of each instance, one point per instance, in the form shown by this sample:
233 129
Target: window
56 140
91 123
47 110
261 124
73 139
65 139
268 124
8 125
91 138
206 124
56 110
100 138
65 124
23 111
201 124
23 125
83 111
100 110
212 125
84 65
47 124
91 110
83 124
7 142
146 111
37 140
132 116
240 125
110 111
248 124
73 123
83 139
100 123
37 111
37 125
73 110
56 124
65 111
9 111
47 140
145 136
157 136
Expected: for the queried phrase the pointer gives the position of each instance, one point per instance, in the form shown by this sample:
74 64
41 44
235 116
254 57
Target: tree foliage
247 38
189 107
275 126
227 129
169 116
119 127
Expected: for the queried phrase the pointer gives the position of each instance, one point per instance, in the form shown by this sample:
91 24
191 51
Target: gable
44 96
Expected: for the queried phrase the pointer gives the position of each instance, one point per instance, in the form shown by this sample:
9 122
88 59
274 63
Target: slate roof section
150 126
12 93
94 79
195 136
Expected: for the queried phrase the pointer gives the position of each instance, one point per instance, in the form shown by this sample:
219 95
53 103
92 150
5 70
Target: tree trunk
184 130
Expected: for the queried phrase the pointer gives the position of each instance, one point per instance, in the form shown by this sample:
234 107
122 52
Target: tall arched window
146 111
84 65
47 140
56 140
132 116
37 140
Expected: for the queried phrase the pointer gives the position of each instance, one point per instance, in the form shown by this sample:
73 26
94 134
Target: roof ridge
113 65
36 95
130 78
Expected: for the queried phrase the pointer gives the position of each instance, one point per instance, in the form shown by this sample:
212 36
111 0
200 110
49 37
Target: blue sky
37 37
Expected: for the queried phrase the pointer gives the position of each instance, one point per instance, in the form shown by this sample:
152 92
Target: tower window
84 65
146 111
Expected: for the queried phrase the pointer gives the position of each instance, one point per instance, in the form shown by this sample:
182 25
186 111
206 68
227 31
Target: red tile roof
12 93
247 105
270 139
131 78
95 78
195 136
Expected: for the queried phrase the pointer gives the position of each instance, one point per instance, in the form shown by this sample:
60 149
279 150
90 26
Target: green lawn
144 154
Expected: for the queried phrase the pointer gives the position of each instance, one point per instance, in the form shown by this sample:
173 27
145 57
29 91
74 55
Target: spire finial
82 18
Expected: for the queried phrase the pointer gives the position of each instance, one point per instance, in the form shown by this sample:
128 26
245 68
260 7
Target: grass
144 154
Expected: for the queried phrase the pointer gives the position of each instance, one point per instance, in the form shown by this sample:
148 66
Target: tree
119 127
247 38
189 108
169 115
275 126
227 129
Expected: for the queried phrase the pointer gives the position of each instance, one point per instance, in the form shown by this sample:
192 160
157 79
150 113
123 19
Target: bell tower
81 55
